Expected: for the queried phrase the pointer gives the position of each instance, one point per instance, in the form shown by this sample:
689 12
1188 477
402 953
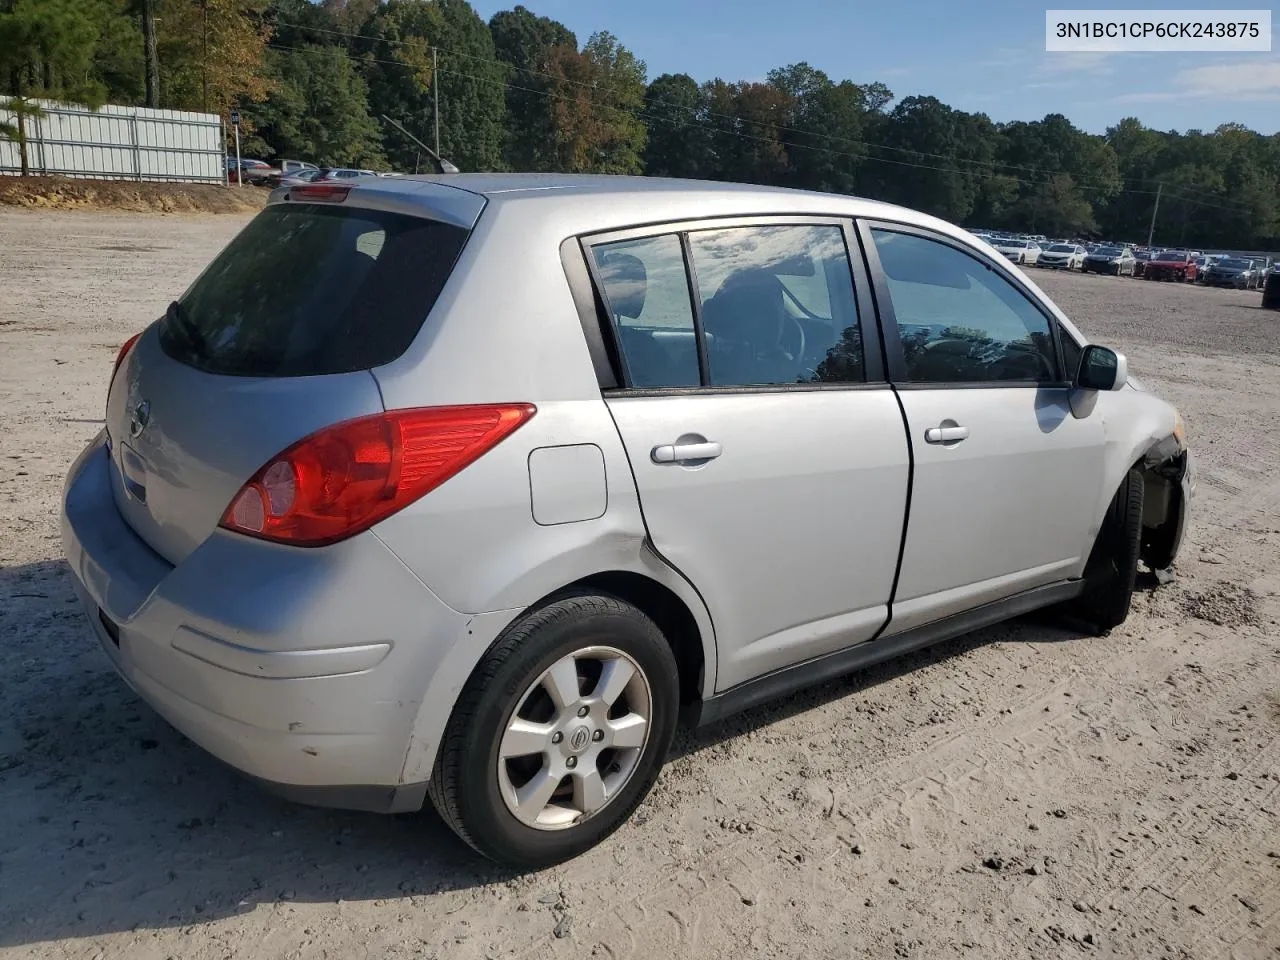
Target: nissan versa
466 487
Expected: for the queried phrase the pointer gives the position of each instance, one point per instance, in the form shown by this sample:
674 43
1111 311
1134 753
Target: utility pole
1152 231
149 53
435 91
204 60
235 122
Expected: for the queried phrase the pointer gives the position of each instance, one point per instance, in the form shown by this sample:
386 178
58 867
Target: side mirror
1101 368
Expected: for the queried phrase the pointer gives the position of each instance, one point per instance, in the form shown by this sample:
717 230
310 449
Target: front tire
1113 562
560 732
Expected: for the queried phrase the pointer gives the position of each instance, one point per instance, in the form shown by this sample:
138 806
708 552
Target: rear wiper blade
190 332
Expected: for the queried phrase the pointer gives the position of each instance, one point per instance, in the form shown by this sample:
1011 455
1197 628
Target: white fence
119 143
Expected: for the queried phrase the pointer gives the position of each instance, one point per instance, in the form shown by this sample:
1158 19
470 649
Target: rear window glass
307 289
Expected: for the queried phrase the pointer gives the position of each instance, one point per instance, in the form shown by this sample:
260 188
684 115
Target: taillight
345 478
124 352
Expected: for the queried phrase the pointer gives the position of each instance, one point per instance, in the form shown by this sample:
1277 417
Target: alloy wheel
575 738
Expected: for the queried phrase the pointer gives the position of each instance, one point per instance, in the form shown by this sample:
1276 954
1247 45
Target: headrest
625 282
748 306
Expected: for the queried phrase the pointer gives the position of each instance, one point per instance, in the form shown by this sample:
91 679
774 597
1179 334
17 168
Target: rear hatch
272 342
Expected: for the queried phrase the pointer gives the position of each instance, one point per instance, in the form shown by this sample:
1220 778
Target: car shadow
1038 627
114 821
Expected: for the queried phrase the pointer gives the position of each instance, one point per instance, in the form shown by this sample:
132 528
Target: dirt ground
1021 792
79 193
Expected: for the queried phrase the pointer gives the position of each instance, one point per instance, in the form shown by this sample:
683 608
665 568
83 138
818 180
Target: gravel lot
1023 791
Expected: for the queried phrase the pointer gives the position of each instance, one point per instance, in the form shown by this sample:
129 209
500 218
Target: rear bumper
301 668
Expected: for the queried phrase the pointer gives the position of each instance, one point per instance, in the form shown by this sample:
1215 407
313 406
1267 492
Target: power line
736 119
869 144
634 113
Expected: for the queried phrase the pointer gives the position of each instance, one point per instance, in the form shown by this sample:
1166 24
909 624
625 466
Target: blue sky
979 55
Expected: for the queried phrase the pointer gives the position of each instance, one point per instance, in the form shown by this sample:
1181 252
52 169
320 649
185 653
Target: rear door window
307 289
646 289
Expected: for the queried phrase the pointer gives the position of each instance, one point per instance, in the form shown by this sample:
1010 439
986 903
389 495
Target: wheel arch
1151 448
651 585
1164 508
673 617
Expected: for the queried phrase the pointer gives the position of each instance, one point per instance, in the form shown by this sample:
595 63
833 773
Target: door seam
906 515
648 539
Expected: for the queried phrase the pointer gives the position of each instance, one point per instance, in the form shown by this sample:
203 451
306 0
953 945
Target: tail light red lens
320 192
345 478
124 352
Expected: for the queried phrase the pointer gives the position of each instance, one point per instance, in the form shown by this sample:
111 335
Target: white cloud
1004 57
1247 80
1087 64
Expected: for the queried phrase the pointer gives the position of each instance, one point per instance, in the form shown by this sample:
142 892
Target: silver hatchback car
467 487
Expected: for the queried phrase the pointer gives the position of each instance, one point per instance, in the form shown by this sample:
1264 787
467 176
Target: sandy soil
1021 792
79 193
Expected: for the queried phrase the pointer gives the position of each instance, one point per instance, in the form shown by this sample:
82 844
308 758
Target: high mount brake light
343 479
320 192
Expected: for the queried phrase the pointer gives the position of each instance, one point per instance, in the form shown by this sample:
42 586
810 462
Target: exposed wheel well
668 611
1161 508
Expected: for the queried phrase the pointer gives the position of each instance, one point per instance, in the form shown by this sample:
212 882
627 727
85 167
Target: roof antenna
444 165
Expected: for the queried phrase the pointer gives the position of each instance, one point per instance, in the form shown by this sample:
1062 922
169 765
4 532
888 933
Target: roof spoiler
443 165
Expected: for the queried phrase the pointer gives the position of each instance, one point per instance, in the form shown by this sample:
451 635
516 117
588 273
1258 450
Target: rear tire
1113 562
486 786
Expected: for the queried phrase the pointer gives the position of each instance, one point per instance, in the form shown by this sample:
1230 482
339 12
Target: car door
1005 477
768 450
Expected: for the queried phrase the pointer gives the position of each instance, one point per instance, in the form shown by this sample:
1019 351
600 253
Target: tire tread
444 786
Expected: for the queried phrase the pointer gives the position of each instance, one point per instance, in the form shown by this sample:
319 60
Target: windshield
1062 248
1170 257
1107 252
1235 264
307 289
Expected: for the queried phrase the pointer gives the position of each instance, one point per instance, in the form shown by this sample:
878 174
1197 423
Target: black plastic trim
574 261
986 385
791 679
740 389
405 798
894 362
695 307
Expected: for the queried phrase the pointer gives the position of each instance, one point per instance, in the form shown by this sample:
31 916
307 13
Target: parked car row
259 173
1128 260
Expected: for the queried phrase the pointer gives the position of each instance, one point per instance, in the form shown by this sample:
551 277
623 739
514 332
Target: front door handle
949 434
685 452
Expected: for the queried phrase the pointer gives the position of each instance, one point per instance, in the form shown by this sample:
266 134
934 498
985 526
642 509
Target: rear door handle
945 434
683 452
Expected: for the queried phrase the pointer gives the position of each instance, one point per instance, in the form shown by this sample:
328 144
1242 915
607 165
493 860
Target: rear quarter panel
506 329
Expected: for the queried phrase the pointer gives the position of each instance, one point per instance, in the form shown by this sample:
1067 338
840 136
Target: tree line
315 80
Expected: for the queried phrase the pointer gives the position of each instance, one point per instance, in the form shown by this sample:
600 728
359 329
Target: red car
1171 265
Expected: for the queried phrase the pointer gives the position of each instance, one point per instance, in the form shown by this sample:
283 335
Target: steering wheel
798 355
